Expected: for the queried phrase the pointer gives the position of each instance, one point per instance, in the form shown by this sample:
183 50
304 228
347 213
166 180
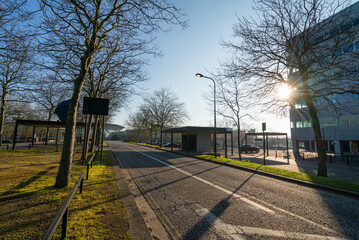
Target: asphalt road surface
195 199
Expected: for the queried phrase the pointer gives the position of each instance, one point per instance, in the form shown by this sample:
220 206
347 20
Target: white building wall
203 142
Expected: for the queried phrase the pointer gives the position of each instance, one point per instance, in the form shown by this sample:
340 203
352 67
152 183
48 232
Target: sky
197 49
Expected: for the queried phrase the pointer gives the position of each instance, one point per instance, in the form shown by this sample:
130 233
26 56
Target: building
339 128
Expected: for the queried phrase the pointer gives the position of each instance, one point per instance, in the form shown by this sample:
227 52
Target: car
249 148
175 145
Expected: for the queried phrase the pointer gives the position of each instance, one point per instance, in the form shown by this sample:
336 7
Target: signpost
264 143
96 106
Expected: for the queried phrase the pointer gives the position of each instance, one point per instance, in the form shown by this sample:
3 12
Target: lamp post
215 122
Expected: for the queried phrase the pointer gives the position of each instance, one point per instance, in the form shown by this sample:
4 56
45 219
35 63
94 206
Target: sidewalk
337 170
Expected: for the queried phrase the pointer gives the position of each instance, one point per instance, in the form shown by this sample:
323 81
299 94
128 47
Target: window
354 119
292 125
298 124
307 124
326 122
343 120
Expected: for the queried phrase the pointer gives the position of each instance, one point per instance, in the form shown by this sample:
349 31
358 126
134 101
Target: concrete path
338 169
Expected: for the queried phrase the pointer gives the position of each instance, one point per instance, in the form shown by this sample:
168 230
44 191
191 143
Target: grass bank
29 201
282 172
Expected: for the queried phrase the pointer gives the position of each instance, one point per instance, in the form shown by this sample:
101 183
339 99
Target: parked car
249 148
175 145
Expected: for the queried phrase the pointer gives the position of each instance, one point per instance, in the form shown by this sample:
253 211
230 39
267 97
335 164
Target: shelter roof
196 129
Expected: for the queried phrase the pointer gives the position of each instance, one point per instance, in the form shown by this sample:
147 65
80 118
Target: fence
62 214
89 163
343 159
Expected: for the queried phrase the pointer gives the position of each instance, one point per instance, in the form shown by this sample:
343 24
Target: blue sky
197 49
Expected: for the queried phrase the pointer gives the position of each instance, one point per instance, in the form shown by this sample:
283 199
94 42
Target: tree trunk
322 164
64 173
47 135
2 116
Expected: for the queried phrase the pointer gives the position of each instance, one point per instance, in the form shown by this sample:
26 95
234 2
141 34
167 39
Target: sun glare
284 92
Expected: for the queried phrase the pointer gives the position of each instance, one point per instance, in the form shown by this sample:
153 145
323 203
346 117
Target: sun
284 92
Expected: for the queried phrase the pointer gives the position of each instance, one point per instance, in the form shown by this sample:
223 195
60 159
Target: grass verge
331 182
29 201
282 172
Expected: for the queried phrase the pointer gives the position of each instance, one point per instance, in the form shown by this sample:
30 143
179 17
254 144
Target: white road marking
228 231
254 204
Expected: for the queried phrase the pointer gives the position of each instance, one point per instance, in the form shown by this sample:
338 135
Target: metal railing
62 214
89 163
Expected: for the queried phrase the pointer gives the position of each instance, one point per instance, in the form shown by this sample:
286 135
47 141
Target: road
195 199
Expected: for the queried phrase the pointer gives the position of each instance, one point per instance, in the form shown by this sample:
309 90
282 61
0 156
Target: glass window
343 120
354 119
326 122
307 124
299 124
292 125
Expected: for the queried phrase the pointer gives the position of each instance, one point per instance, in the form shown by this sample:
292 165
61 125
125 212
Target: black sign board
95 106
264 126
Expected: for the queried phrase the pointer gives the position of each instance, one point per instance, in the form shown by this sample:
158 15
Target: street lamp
215 122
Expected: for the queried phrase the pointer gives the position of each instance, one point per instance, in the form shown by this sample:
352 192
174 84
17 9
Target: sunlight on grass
29 200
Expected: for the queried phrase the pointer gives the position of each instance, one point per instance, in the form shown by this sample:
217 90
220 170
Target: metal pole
264 149
172 141
33 136
286 138
84 145
267 144
187 141
215 121
64 224
232 142
103 132
15 133
225 144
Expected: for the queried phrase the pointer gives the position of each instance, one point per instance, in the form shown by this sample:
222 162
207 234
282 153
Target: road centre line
257 205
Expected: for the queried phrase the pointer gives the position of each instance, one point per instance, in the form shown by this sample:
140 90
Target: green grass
282 172
29 201
147 145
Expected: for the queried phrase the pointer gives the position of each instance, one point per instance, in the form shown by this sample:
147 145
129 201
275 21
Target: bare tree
112 75
296 43
164 109
76 30
232 101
